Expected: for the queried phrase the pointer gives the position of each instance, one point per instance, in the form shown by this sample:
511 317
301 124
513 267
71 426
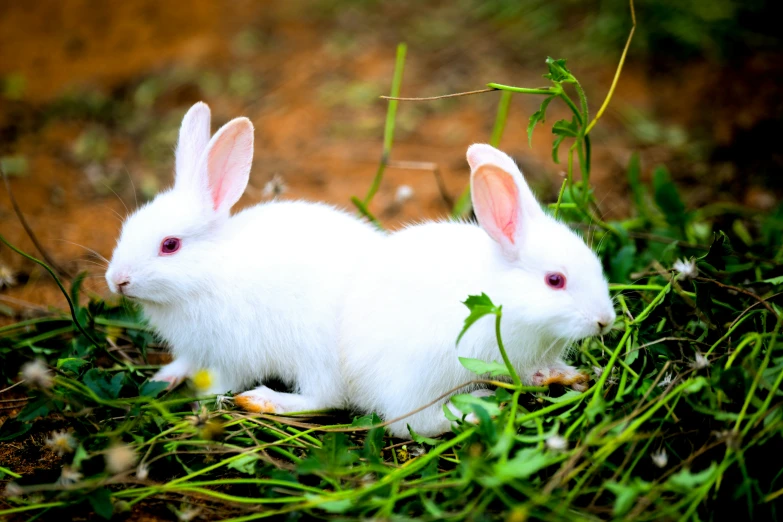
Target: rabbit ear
226 163
193 138
502 201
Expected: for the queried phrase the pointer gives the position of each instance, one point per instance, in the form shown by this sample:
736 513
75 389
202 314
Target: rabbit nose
120 280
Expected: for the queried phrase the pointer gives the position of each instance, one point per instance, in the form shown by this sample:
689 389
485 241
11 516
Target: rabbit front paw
266 400
173 373
256 401
565 375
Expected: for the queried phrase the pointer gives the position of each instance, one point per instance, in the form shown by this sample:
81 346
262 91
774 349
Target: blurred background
92 93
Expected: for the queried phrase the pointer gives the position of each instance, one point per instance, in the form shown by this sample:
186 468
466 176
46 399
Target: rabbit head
162 244
553 279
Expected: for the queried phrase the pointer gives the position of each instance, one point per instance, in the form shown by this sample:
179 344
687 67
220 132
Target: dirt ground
308 75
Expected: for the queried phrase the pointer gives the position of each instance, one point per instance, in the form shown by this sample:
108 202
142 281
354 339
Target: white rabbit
248 296
404 308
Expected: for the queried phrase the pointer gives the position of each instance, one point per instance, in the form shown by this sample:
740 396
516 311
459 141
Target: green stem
59 284
388 130
500 119
514 377
560 197
571 105
523 90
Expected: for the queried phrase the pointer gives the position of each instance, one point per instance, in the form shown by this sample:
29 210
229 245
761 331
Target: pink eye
169 245
555 280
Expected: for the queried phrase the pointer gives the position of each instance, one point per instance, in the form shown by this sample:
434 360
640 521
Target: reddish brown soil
325 150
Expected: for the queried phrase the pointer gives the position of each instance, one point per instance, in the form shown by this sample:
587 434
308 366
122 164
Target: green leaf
152 388
330 457
421 439
720 251
35 409
373 444
566 128
696 385
71 365
13 428
704 299
332 506
626 494
100 500
537 117
366 421
621 263
102 384
245 464
667 197
570 394
79 456
468 403
558 72
555 147
480 367
526 462
479 306
448 413
774 280
686 479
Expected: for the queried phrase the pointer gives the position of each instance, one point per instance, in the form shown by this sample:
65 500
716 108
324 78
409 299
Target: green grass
682 421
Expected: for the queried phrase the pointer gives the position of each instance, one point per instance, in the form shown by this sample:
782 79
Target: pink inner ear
496 202
228 164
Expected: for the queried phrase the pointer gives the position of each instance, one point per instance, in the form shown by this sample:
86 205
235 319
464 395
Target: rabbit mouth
125 295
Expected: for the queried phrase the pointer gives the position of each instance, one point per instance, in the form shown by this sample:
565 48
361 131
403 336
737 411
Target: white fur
246 297
404 307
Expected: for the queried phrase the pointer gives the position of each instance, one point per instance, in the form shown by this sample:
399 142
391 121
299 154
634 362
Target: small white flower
274 187
223 402
69 476
119 458
142 472
186 515
12 489
699 362
686 268
7 277
667 380
660 458
417 451
368 478
557 443
403 194
37 374
61 442
598 371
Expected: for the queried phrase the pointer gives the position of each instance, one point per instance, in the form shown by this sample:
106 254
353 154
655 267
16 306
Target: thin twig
616 74
430 98
761 300
18 211
430 166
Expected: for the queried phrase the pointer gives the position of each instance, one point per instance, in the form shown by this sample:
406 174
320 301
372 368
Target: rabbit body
263 305
245 297
404 308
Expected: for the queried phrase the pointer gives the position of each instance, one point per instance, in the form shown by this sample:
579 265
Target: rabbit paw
265 400
256 401
565 375
173 373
